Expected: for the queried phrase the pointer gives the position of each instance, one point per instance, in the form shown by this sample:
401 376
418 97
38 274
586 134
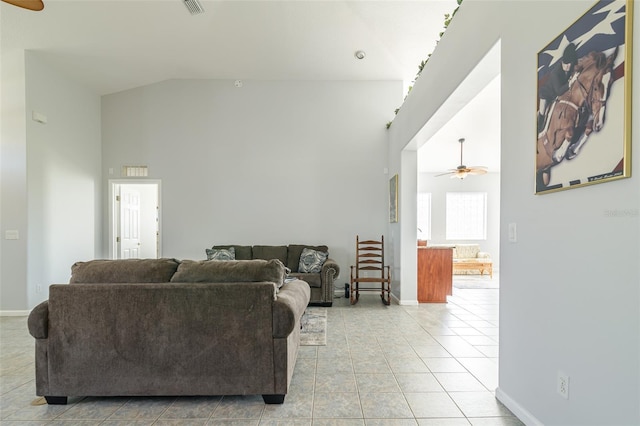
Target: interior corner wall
272 162
13 180
569 296
63 176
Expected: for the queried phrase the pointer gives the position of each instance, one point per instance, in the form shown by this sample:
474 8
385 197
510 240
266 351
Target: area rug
314 327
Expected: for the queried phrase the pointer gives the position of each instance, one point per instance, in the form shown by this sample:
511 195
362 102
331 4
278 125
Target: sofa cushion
313 280
124 271
204 271
221 254
311 261
242 252
270 252
295 250
466 251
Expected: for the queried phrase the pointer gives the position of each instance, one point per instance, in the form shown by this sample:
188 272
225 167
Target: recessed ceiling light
359 54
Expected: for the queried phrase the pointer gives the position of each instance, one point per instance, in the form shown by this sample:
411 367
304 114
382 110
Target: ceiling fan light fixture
35 5
463 171
194 7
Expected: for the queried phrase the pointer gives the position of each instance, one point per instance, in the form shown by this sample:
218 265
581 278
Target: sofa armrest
330 271
38 321
293 298
483 255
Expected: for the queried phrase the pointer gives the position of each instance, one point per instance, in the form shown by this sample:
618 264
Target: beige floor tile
427 365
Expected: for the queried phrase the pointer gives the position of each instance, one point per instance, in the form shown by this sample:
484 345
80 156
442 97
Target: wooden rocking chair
370 268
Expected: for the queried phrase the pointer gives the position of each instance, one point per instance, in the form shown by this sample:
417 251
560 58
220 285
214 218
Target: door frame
114 212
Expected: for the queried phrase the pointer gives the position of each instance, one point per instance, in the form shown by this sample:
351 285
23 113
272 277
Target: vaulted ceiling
115 45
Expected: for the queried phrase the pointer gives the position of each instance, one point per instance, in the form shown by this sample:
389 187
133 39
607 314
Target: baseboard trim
404 302
518 410
14 313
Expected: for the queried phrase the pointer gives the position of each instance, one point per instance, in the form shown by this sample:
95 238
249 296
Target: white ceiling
478 122
115 45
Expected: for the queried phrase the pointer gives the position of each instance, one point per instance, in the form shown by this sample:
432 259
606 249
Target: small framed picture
393 199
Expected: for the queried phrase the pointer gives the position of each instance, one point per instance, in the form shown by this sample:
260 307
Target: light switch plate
513 233
11 234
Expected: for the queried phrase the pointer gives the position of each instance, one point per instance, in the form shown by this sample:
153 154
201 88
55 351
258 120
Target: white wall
439 186
51 189
269 163
570 286
63 177
13 180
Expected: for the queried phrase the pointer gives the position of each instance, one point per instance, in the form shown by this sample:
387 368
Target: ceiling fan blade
477 170
451 171
27 4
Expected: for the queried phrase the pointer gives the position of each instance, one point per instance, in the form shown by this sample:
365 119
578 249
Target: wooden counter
435 274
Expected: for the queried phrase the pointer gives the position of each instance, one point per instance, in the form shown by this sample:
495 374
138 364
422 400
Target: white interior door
134 219
129 223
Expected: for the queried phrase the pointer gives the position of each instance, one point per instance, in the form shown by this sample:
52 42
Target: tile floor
433 364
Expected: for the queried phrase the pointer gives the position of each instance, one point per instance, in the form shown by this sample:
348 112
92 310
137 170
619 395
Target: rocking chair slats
370 268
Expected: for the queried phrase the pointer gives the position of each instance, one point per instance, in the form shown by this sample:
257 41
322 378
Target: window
424 215
466 216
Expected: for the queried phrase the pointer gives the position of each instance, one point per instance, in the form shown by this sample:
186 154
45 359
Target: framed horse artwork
584 101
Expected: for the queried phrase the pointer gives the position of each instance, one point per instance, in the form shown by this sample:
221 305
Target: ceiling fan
462 171
27 4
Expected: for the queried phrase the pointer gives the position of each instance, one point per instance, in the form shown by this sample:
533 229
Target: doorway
474 114
134 219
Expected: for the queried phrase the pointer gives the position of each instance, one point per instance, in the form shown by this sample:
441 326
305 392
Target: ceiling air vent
135 171
194 6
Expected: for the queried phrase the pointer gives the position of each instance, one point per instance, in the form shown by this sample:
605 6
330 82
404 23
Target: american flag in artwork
563 157
601 29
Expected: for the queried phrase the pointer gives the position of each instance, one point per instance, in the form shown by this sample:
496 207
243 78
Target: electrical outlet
563 385
38 288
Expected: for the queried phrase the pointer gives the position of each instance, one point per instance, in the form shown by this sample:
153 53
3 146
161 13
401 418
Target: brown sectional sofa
162 327
321 283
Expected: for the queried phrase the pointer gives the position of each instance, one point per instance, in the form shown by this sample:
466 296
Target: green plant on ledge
447 20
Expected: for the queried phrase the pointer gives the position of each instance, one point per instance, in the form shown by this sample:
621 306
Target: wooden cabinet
435 274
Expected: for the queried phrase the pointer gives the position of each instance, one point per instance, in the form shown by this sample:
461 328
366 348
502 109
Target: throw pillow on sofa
221 254
311 261
242 252
294 252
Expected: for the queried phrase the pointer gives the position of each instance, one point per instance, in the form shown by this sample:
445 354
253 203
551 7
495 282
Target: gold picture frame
393 199
583 116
